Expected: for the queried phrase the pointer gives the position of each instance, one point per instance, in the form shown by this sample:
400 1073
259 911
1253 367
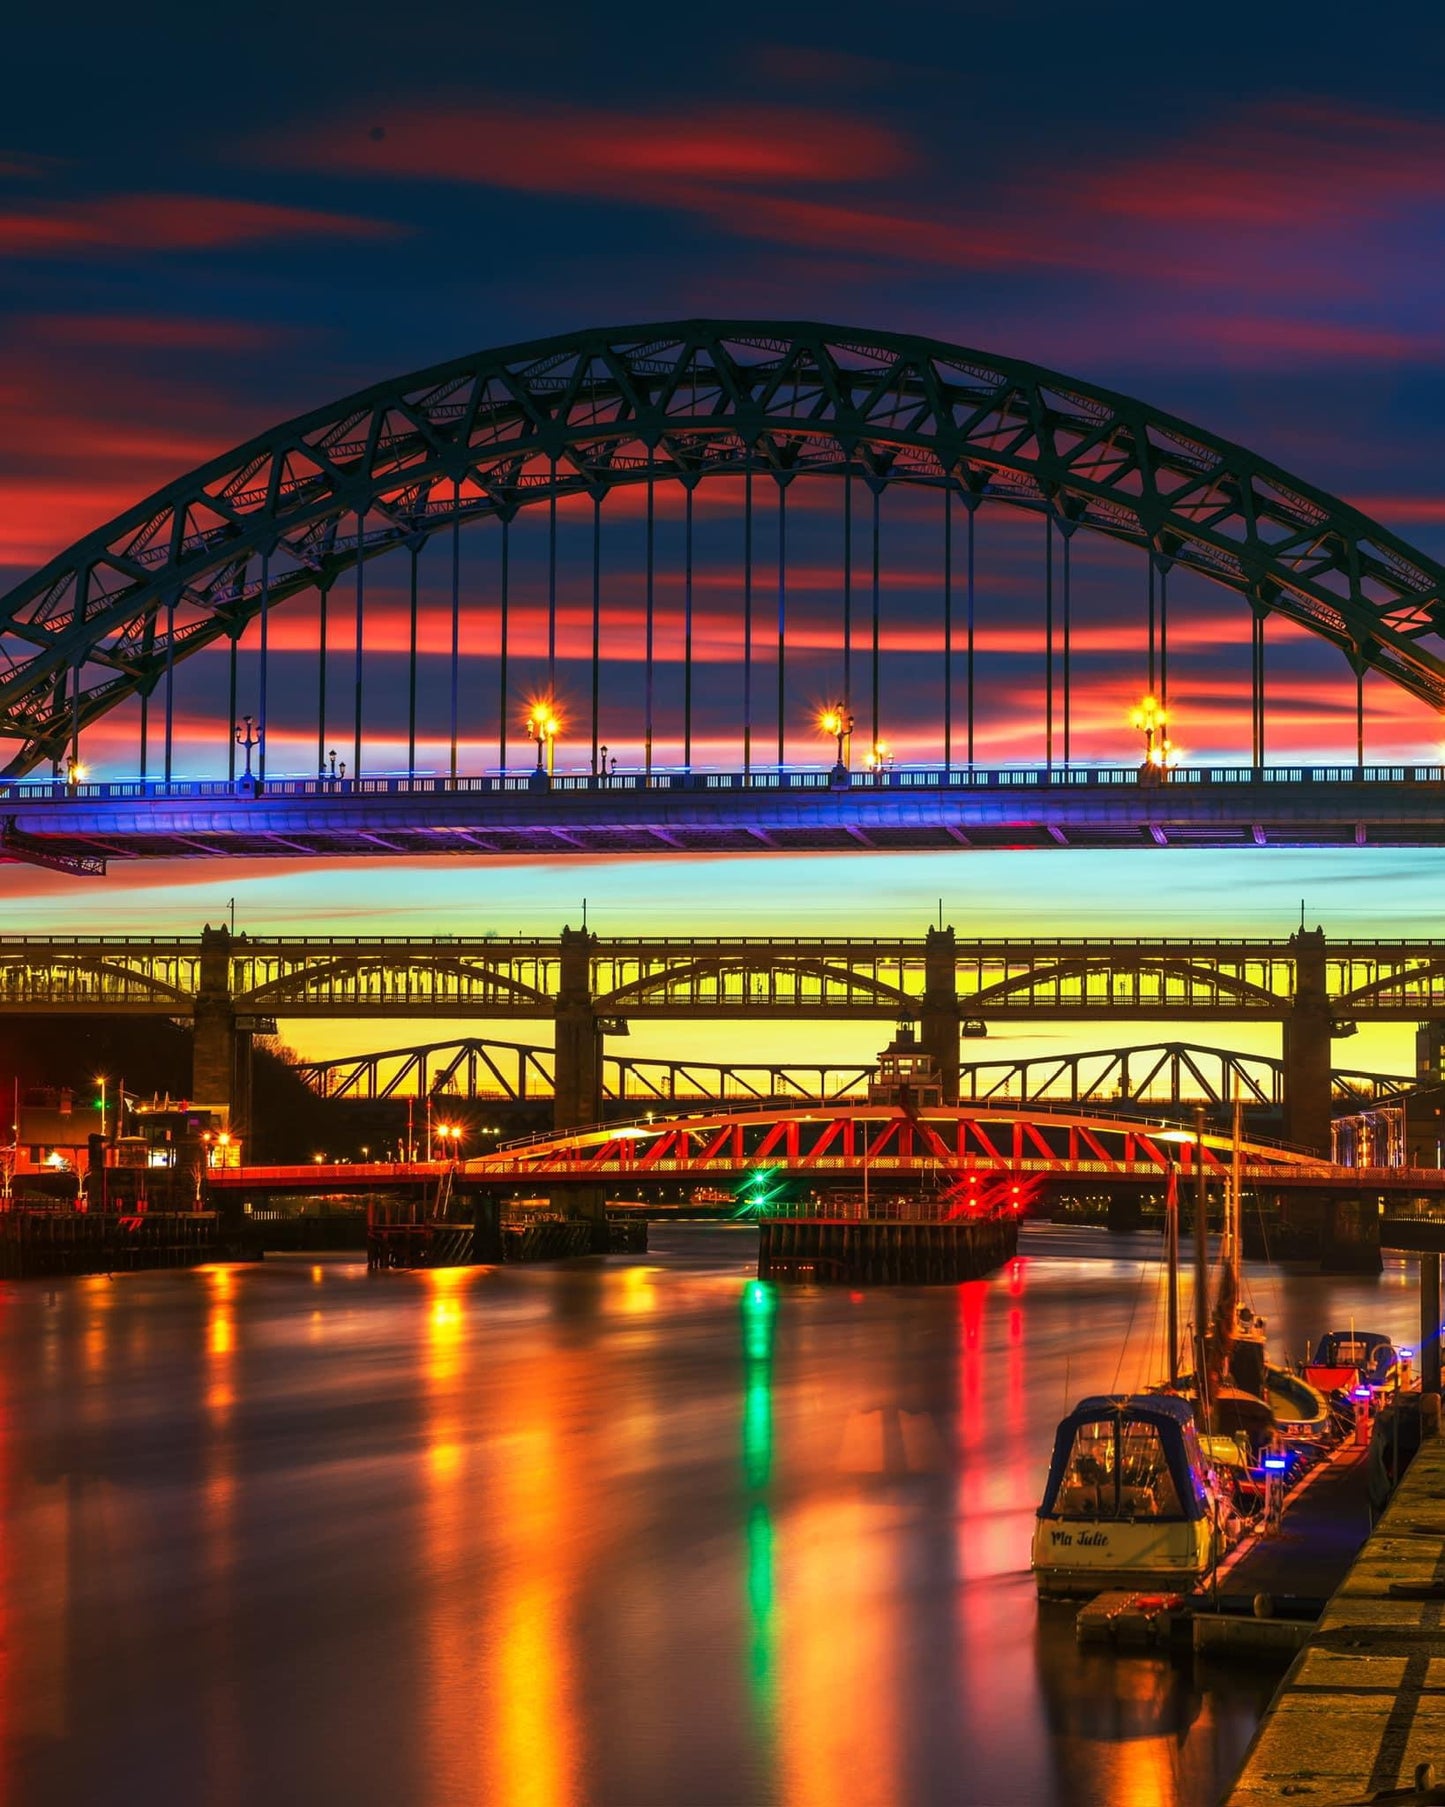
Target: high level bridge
642 589
586 984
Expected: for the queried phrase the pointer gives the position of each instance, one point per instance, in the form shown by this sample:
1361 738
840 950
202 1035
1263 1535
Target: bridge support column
1350 1239
486 1227
1430 1321
577 1081
215 1055
578 1042
241 1087
1308 1097
939 1026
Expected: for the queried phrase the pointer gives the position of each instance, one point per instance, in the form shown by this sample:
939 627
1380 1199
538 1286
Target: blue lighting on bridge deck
79 826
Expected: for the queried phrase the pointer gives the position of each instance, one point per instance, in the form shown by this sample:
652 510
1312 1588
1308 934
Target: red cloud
80 443
1309 339
1288 166
168 223
673 158
1403 511
1248 205
147 332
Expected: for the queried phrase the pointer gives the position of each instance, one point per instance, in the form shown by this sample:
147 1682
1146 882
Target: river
640 1533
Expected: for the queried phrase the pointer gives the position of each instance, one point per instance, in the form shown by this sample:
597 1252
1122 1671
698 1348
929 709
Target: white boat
1130 1501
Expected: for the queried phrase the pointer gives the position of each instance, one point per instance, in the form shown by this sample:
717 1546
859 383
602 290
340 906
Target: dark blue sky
202 234
212 219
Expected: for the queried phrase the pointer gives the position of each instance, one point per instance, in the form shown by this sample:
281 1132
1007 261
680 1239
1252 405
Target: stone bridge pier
938 1027
1349 1227
578 1068
220 1050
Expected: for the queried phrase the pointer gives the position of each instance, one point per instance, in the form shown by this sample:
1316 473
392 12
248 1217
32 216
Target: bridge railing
928 777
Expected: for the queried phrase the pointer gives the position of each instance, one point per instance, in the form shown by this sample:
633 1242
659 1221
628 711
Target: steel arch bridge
953 1146
221 560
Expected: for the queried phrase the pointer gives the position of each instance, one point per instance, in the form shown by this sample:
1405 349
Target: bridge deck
725 812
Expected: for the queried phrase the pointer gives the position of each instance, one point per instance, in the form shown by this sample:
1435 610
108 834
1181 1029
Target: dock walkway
1364 1702
1307 1559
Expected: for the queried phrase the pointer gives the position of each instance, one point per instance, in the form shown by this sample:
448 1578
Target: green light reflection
759 1314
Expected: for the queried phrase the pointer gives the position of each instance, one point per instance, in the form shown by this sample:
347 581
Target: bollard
1426 1792
1429 1414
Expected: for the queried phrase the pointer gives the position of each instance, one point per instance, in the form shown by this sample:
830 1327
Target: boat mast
1224 1321
1235 1208
1201 1275
1171 1252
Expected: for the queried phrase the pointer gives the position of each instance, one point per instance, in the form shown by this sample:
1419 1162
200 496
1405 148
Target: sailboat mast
1171 1252
1236 1155
1201 1273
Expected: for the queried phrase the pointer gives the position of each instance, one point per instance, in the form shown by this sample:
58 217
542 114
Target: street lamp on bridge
837 720
1160 753
543 727
450 1137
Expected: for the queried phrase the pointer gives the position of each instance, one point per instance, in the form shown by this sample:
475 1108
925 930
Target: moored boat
1347 1358
1130 1500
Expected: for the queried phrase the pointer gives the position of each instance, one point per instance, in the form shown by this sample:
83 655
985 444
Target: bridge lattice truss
1154 1075
947 1145
488 436
884 979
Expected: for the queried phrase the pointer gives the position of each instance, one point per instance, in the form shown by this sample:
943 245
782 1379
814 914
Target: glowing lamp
543 726
1275 1464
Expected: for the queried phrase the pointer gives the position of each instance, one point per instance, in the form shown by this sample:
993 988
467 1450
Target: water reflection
759 1311
607 1535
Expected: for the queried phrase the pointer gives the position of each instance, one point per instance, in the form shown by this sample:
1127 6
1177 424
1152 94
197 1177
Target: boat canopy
1126 1456
1369 1351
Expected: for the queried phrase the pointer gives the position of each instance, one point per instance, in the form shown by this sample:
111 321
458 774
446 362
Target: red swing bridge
897 1193
944 1152
960 1147
895 1177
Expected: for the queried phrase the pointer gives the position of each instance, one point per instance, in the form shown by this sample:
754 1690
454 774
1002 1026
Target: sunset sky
258 211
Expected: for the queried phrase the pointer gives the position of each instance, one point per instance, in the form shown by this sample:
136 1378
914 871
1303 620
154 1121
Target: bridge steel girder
948 1144
1149 1076
580 414
783 978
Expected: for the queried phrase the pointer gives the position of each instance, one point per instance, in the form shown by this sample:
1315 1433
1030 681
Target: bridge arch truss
308 506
